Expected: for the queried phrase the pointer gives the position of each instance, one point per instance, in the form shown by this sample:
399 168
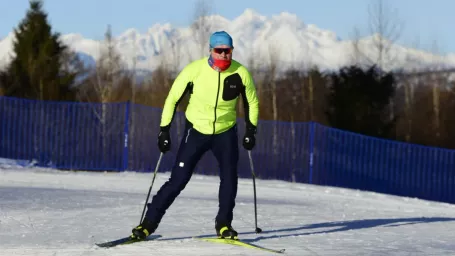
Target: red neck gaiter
219 65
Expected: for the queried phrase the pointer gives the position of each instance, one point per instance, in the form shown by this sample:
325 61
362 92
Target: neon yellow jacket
213 97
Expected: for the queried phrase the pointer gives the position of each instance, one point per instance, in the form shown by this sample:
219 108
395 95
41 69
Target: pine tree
37 69
359 101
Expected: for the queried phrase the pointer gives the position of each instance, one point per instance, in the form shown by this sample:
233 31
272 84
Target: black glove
249 140
164 140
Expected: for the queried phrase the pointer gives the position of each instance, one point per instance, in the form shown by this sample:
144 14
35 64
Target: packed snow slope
50 212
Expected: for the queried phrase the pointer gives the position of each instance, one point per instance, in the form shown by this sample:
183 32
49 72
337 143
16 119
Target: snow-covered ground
49 212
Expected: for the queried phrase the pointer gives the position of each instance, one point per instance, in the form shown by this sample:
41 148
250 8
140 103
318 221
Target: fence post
125 136
311 151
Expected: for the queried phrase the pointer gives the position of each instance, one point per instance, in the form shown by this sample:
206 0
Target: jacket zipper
216 102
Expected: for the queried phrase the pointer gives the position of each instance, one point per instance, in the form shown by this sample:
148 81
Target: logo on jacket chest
232 86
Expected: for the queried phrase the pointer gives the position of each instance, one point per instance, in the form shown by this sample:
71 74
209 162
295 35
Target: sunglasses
221 50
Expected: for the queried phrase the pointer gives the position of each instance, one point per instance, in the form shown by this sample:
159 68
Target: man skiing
214 84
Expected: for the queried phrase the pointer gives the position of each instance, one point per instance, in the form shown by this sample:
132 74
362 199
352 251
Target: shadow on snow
331 227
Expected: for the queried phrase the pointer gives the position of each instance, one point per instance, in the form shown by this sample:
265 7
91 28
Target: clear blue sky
424 21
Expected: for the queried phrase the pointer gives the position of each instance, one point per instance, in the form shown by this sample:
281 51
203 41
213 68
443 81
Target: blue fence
122 136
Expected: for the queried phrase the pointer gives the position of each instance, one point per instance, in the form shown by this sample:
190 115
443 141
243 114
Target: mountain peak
130 33
255 36
250 14
287 17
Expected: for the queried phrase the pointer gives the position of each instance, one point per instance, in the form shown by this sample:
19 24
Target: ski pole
150 189
258 230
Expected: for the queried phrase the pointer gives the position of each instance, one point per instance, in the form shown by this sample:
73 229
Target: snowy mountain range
283 38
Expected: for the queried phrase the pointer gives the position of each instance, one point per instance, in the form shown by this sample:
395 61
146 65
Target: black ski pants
192 147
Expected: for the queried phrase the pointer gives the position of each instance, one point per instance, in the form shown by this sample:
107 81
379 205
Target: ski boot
225 231
145 229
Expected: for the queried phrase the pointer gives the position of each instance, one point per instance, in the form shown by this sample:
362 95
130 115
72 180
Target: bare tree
104 78
201 26
435 80
296 74
103 85
134 75
253 67
173 65
131 137
307 66
407 82
289 87
175 57
386 28
409 101
272 71
438 80
311 92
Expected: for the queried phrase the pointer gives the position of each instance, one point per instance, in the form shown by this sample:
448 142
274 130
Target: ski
126 240
238 242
